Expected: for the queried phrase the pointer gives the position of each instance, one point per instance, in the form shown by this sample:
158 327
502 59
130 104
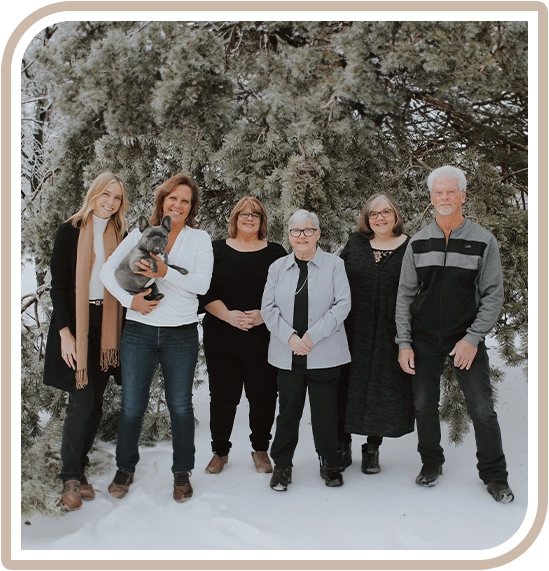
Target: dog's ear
167 223
143 223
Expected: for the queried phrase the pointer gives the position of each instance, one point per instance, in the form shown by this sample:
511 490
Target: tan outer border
18 18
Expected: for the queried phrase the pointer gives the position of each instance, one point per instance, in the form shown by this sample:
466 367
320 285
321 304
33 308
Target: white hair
302 216
450 172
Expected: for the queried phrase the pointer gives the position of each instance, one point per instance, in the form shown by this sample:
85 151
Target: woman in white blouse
162 332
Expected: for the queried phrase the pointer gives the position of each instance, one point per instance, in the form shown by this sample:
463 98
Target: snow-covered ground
236 510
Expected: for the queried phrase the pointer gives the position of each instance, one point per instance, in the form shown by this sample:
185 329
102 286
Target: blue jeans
143 348
475 384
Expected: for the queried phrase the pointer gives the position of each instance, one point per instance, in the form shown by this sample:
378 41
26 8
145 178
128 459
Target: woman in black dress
236 339
375 397
83 343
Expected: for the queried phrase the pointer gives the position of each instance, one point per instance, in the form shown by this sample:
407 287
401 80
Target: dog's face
155 238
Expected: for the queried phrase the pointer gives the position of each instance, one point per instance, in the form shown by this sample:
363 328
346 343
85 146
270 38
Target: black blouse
238 280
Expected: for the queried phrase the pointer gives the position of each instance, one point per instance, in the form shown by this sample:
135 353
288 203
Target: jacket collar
317 260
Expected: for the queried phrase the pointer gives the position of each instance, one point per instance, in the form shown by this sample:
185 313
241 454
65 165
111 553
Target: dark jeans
292 390
143 348
475 384
231 367
85 407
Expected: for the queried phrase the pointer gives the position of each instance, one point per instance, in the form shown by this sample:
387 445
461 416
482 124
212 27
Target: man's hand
297 345
406 361
464 353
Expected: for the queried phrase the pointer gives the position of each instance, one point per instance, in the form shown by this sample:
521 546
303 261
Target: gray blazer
329 305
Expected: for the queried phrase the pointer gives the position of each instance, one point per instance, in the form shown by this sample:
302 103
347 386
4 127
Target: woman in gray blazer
305 301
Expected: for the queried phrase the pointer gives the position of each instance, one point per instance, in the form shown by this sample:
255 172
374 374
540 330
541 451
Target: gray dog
154 239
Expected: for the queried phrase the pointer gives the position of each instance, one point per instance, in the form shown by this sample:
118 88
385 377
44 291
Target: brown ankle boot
217 463
120 486
262 462
70 497
86 489
182 489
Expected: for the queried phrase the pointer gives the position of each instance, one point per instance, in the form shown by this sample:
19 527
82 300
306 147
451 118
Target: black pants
292 389
233 366
475 384
85 407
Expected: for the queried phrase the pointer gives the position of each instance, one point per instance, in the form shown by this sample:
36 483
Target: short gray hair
450 172
302 216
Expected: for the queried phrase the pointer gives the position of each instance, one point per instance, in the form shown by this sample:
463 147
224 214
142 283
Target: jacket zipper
442 283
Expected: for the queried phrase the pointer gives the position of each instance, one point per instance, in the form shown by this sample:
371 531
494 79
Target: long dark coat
63 296
379 398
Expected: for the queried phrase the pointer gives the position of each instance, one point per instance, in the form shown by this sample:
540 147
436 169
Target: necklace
302 285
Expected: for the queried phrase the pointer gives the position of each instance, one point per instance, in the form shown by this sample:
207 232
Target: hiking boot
344 454
120 486
370 459
86 489
182 489
217 463
280 479
501 492
70 498
332 476
262 462
428 476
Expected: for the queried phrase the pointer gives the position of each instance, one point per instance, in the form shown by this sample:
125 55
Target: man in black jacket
449 298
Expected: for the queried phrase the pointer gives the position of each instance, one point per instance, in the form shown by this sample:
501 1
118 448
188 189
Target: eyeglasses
386 212
296 232
248 215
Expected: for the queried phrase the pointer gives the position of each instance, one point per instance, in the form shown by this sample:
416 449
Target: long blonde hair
96 188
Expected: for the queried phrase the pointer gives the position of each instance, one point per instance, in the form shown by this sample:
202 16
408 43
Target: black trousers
85 407
475 384
233 365
292 388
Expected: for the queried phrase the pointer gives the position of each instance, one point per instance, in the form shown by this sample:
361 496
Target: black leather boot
344 454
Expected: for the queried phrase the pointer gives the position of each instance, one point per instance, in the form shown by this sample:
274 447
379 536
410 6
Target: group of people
365 334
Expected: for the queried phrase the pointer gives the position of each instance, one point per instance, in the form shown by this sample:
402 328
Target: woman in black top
83 344
235 338
378 401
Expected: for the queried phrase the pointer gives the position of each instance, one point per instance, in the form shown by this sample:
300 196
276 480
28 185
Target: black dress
235 358
379 396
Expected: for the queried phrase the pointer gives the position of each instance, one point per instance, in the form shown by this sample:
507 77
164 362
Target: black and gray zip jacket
449 292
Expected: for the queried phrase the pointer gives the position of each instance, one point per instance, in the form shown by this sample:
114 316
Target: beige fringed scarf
111 327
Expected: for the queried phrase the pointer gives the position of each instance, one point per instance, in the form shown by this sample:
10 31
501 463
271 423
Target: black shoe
344 454
370 459
501 492
428 476
280 479
332 476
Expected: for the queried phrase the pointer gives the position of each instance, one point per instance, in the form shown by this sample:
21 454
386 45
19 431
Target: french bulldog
154 239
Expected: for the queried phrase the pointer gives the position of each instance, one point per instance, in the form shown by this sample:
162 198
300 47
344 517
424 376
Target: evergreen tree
315 115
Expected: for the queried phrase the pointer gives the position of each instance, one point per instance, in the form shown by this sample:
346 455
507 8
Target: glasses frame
306 232
247 215
373 215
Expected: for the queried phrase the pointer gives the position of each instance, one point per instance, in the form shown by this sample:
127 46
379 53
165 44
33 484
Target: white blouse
193 251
